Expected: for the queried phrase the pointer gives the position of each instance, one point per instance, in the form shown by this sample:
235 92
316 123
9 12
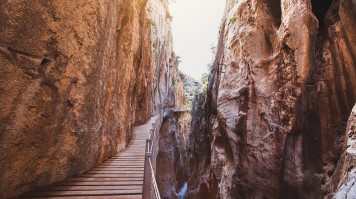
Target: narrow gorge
276 118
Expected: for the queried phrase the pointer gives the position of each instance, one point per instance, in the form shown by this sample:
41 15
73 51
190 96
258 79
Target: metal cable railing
154 188
150 188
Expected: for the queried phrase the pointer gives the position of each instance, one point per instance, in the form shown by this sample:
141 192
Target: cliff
170 93
75 77
172 167
272 123
342 183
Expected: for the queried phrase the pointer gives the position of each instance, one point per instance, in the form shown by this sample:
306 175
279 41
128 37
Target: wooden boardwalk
119 177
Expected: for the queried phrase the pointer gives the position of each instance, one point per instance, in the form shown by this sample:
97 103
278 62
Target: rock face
164 58
342 184
272 124
75 76
172 155
191 89
171 94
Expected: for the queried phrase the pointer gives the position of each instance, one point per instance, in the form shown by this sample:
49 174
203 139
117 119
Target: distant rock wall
272 124
171 94
191 88
75 76
166 92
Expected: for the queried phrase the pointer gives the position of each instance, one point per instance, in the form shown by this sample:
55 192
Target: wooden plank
135 145
122 166
90 188
105 183
133 149
134 153
136 196
115 172
117 165
125 161
138 143
125 175
124 155
82 179
86 193
118 169
130 159
130 155
141 142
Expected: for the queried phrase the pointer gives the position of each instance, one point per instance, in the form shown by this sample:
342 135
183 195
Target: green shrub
233 19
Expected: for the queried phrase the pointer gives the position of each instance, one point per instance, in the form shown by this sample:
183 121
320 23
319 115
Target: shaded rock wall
342 183
272 124
167 158
75 76
172 155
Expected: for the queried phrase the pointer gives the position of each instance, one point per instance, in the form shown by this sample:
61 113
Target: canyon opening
234 99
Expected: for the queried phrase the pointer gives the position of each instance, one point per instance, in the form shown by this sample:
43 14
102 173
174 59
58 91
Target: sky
195 28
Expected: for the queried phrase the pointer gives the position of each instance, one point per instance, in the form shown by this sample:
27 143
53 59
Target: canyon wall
75 76
170 93
166 74
172 155
272 123
342 183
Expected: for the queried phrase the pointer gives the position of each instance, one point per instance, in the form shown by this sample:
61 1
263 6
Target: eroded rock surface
342 184
191 88
172 156
75 76
283 83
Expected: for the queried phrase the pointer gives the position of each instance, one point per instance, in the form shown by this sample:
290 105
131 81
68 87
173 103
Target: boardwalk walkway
119 177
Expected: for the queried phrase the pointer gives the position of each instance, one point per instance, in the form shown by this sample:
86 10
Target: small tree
205 80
